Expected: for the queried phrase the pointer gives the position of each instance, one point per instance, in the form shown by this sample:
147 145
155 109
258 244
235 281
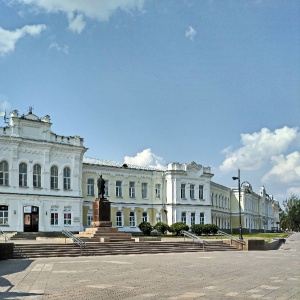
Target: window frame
37 176
144 190
201 218
4 215
131 189
119 188
119 219
132 219
157 191
23 174
144 216
183 217
90 186
67 178
67 217
54 178
201 191
192 191
182 191
4 173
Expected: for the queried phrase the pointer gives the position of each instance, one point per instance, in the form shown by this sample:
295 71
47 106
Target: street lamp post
240 214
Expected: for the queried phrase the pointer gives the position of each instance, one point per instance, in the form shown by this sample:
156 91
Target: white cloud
8 39
64 49
75 10
190 33
258 149
285 169
76 23
145 158
4 104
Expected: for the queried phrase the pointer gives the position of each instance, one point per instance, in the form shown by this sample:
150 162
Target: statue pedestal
101 213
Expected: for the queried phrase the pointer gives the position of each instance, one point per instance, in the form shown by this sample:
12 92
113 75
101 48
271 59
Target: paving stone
196 275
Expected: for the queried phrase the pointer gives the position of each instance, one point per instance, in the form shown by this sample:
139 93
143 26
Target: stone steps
114 248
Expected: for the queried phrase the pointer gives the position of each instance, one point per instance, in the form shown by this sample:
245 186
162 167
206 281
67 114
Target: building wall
221 205
28 140
131 202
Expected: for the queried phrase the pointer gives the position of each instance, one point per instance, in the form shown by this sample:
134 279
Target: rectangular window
183 217
157 190
144 190
90 187
67 217
131 189
192 191
118 188
193 217
131 219
119 219
54 217
182 191
201 218
201 192
3 215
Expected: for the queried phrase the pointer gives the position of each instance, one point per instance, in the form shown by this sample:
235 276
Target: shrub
197 229
145 228
161 227
177 227
214 229
210 229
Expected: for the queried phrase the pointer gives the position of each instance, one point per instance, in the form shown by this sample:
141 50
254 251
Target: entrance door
31 219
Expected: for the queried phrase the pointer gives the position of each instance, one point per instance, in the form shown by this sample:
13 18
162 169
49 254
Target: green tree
291 218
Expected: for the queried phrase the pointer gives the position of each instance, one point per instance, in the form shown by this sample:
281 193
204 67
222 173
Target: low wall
6 250
256 244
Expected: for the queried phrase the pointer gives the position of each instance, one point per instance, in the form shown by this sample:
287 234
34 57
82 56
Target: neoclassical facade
47 185
40 176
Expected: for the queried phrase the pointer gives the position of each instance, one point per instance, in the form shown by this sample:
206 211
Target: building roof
110 163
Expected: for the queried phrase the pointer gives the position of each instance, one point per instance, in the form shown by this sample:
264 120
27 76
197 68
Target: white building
40 176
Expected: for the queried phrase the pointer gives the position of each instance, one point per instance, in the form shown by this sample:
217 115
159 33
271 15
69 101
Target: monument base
101 224
101 213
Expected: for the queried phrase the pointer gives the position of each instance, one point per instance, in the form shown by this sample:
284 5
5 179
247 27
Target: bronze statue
101 187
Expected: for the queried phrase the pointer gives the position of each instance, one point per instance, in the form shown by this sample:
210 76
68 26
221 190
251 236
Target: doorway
31 219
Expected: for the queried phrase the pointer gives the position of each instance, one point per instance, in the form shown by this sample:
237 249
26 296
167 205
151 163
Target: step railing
75 239
6 238
232 238
194 237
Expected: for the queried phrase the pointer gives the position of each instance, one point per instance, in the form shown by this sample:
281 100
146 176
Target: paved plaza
203 275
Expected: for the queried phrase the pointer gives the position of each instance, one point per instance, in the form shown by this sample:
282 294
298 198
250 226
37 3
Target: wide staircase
105 234
115 248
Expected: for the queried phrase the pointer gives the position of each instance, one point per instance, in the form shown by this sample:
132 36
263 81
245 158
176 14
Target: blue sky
152 82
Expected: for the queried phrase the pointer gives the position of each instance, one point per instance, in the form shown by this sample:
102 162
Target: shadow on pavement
8 267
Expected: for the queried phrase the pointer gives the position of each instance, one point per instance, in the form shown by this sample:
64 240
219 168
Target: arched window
37 176
119 220
131 219
54 177
22 174
67 178
4 173
145 217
